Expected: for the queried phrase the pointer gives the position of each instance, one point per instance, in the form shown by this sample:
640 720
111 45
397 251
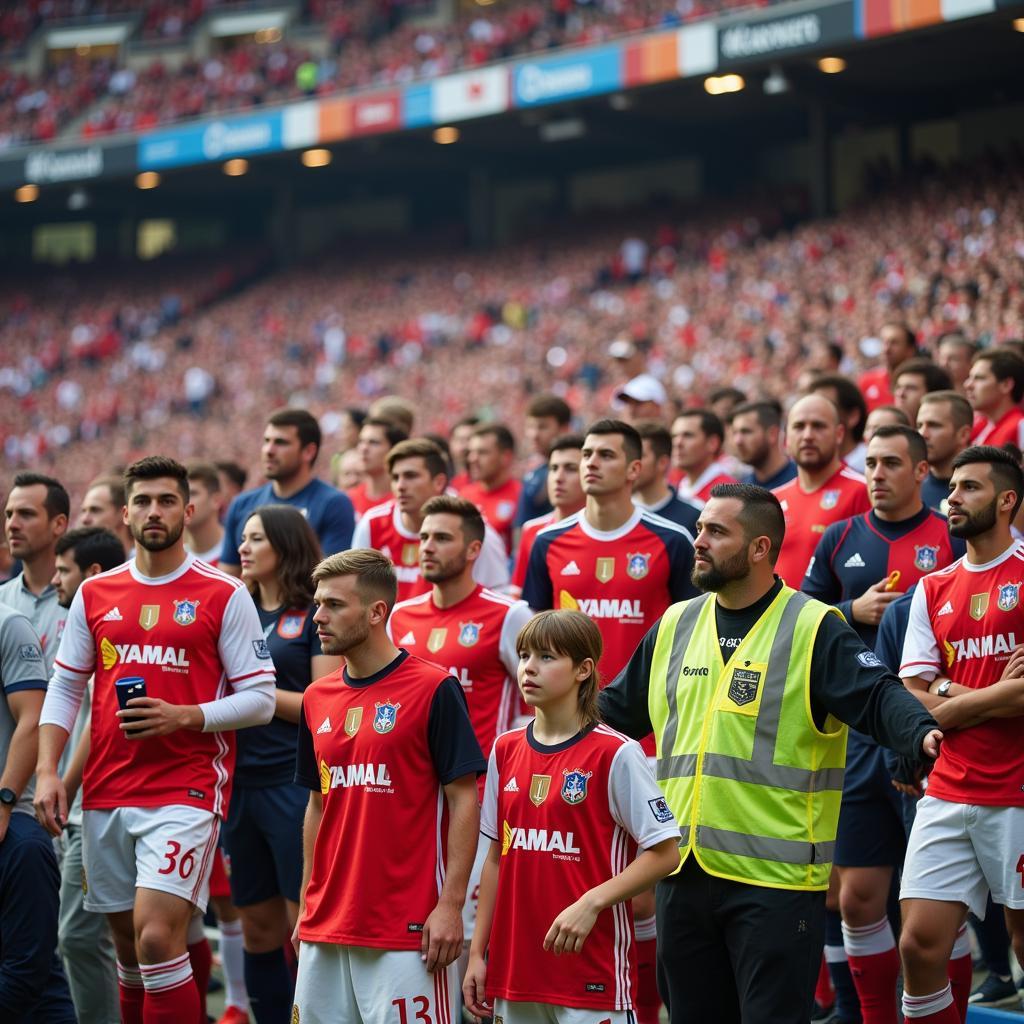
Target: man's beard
716 578
161 542
975 523
348 641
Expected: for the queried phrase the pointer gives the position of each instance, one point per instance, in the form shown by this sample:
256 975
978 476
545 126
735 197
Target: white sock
232 958
922 1006
835 954
870 939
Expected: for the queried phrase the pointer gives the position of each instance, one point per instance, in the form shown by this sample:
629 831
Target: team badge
926 557
469 633
829 499
743 686
149 615
574 785
1009 594
660 809
605 569
505 509
411 553
289 626
436 639
185 612
978 607
386 717
540 786
637 565
353 719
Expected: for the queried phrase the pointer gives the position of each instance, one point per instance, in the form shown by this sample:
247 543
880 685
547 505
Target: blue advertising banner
585 73
211 140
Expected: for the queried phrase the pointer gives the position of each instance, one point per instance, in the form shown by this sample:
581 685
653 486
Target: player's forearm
919 688
76 769
1004 699
287 705
649 866
52 741
486 896
310 829
463 833
21 754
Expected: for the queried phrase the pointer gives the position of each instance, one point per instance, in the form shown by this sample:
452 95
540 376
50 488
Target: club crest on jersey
978 606
743 686
354 719
469 633
574 785
436 639
185 612
289 626
149 615
411 553
926 557
540 786
386 716
1009 594
637 565
604 570
505 509
829 499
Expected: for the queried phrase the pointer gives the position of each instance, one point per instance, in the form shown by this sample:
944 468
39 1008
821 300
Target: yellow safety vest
752 781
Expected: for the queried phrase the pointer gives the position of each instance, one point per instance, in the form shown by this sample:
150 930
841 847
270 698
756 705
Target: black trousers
730 953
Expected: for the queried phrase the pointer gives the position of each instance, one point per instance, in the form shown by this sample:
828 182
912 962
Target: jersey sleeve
636 802
489 808
76 655
518 616
232 534
537 590
242 647
921 655
361 534
454 749
338 524
306 774
21 656
491 568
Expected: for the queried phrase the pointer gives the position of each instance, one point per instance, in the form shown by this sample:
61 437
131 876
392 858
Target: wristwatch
942 690
8 797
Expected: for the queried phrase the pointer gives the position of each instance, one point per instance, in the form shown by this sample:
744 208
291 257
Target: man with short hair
944 421
376 438
36 516
961 661
494 490
458 447
995 387
651 489
643 397
158 776
205 536
103 505
853 413
955 353
913 380
291 443
898 344
387 749
547 418
697 441
755 430
884 416
419 472
824 491
232 479
84 938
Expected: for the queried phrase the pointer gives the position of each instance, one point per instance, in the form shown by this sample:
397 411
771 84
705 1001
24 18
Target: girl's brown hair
574 636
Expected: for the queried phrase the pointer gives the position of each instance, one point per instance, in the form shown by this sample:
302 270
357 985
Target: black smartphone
127 688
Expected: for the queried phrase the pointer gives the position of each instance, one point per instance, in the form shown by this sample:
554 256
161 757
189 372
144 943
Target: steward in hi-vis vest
748 690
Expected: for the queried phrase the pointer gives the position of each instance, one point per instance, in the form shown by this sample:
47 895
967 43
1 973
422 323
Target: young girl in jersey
567 804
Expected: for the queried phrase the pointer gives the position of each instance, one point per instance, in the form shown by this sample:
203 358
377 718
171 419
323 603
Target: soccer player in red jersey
565 492
376 439
494 489
388 752
157 780
962 658
994 387
898 345
698 438
824 490
569 802
418 473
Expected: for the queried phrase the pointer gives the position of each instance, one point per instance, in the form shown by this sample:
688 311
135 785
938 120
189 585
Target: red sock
824 996
171 993
874 978
130 993
201 958
647 1002
961 975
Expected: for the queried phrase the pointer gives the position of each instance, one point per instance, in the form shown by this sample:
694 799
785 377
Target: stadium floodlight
446 135
26 194
317 157
147 180
1018 24
831 65
718 85
236 168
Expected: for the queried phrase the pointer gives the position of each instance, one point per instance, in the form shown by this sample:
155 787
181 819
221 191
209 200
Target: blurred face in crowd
955 358
652 467
256 556
283 457
983 390
487 462
99 510
348 432
605 468
692 450
720 549
206 504
814 433
30 530
565 488
350 469
894 479
540 432
444 552
880 418
373 448
896 346
752 443
935 424
228 487
156 513
909 390
67 578
412 485
458 443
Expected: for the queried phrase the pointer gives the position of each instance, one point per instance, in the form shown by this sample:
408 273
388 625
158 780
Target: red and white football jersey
965 621
568 817
381 528
1008 429
193 636
474 640
498 506
808 513
698 491
361 501
527 535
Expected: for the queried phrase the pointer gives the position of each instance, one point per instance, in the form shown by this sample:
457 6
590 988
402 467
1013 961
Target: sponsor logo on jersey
260 649
624 609
978 647
572 569
540 786
853 562
436 639
660 809
289 626
114 615
829 499
978 606
604 570
743 686
409 638
512 786
185 612
1009 595
386 716
325 726
374 777
946 609
638 565
30 652
537 840
149 615
353 719
926 557
574 785
172 658
689 670
469 633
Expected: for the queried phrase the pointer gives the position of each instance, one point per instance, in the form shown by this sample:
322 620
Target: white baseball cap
644 388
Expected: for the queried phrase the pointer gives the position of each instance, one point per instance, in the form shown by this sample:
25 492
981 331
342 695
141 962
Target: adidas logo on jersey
325 726
572 569
512 786
114 615
854 561
409 638
946 609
